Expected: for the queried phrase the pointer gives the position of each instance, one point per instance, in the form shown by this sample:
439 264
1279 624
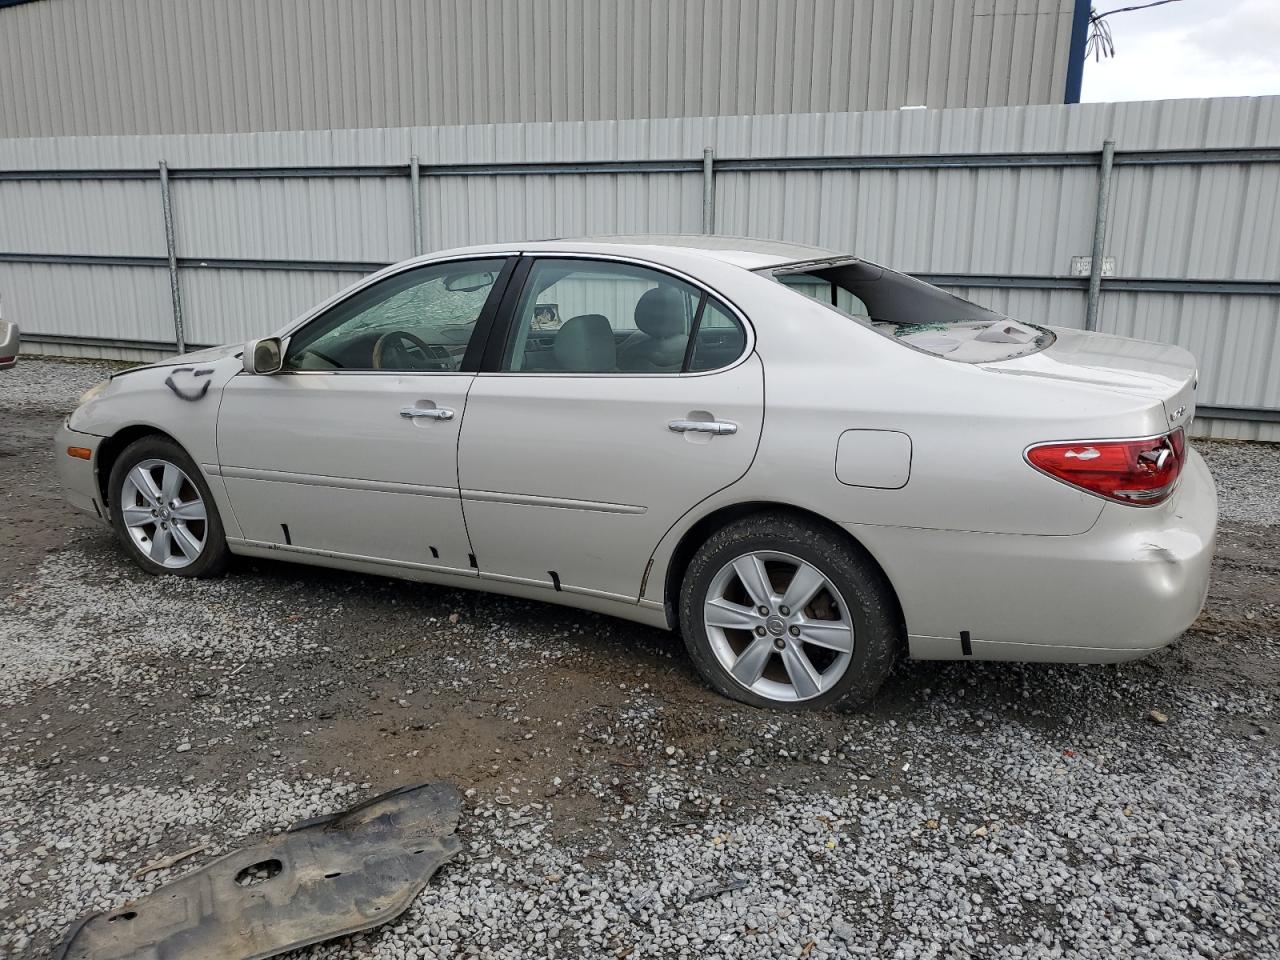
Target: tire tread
155 446
878 642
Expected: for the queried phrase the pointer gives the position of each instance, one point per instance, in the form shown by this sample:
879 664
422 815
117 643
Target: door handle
719 428
428 413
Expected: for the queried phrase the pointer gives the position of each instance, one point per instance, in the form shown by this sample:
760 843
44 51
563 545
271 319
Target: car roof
746 252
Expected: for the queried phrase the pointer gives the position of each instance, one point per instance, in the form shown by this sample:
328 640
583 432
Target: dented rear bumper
1128 586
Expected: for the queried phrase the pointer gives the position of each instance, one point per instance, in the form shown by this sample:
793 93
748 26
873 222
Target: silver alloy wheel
164 513
779 626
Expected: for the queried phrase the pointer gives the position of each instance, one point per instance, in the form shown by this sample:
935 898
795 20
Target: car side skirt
625 608
947 648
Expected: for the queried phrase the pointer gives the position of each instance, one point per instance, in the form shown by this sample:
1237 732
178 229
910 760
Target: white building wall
98 67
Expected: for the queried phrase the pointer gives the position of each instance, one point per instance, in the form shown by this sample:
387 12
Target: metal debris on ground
166 862
737 883
326 877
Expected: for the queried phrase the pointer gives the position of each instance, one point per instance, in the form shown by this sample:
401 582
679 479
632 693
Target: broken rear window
911 311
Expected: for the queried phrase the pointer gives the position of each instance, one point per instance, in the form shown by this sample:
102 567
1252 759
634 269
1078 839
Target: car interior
913 312
656 340
624 319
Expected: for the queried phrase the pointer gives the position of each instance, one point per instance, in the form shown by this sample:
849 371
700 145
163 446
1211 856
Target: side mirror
263 356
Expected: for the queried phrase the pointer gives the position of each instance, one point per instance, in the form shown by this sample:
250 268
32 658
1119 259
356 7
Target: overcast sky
1191 48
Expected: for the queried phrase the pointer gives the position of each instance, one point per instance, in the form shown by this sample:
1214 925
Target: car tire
178 533
725 639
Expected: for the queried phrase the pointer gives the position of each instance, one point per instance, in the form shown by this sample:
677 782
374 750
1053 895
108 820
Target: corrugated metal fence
996 203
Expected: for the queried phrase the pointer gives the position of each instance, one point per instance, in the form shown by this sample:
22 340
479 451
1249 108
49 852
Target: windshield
912 311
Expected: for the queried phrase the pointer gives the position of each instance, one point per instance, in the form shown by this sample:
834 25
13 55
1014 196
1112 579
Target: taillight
1138 472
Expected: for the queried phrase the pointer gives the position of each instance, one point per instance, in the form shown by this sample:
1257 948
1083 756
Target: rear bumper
10 341
79 477
1127 587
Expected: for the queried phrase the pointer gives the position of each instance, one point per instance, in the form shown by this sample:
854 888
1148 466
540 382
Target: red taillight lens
1138 472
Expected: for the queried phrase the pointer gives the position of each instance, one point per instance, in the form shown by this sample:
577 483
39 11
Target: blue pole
1075 56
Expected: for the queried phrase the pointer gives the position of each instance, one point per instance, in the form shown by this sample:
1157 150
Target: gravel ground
615 807
1248 479
51 385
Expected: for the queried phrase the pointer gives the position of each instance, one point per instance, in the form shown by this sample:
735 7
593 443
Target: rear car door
612 400
351 450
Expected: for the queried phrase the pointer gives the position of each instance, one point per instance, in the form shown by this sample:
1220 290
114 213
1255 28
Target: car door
351 449
613 399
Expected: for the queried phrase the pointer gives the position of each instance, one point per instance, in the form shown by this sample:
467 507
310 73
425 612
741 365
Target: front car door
619 397
351 450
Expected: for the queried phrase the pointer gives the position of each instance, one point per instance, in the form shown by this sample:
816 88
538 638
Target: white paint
873 458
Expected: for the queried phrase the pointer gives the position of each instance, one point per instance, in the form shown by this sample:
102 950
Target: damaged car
808 464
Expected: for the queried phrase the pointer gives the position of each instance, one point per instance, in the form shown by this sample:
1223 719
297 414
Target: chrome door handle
429 413
720 428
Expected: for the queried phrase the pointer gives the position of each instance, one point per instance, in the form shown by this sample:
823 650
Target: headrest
585 344
660 313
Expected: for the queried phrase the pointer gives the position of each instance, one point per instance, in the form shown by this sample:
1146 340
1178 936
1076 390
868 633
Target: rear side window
719 341
602 317
824 291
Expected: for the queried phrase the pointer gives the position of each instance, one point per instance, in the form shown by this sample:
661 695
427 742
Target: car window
585 316
719 341
826 292
419 320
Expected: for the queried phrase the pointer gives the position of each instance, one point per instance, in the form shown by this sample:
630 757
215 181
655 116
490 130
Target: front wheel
780 612
163 513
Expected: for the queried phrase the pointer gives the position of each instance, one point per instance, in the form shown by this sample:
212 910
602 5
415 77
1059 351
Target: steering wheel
392 351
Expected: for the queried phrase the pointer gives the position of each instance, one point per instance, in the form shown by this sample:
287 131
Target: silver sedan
808 464
10 343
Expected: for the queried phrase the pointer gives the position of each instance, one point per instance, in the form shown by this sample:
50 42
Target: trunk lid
1140 368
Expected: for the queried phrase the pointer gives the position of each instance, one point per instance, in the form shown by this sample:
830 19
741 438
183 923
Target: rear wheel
777 611
163 513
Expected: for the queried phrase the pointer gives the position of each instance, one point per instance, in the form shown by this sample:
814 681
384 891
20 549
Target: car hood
207 355
1155 371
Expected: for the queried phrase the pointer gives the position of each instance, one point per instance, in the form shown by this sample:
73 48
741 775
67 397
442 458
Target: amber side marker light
80 453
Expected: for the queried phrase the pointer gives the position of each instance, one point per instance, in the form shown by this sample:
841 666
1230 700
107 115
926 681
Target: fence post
1099 235
708 190
179 335
415 193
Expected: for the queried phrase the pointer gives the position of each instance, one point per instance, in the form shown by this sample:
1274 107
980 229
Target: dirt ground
282 673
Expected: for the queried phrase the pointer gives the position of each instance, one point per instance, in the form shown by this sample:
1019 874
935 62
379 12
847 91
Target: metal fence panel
93 302
1235 338
365 219
462 210
1160 125
93 217
1001 221
1184 221
224 306
1057 308
994 202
